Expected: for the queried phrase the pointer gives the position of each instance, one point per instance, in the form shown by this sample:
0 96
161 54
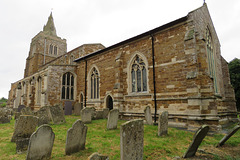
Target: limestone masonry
176 67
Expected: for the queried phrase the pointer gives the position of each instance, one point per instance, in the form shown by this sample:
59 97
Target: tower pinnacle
49 28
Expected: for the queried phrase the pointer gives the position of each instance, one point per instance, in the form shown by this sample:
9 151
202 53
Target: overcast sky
100 21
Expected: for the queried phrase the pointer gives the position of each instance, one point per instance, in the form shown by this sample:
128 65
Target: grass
107 142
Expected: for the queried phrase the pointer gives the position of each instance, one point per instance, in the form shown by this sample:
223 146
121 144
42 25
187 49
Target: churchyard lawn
107 142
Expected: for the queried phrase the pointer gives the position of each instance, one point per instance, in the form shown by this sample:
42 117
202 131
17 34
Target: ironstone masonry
182 57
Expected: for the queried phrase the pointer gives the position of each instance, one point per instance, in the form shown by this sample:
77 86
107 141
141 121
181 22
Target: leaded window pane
68 78
144 76
139 80
133 81
97 87
67 96
63 92
71 92
72 80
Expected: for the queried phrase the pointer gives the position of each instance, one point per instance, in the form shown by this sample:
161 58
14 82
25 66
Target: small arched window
94 84
51 49
138 75
68 86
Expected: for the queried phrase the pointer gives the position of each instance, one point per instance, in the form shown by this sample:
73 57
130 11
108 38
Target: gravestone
25 126
76 138
105 113
112 119
20 107
17 115
97 156
43 115
197 140
163 123
77 109
26 111
68 108
131 140
57 115
86 115
41 143
226 137
22 145
148 115
99 114
5 115
93 112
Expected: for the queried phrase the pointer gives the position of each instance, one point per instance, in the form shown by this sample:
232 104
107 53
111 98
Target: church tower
45 47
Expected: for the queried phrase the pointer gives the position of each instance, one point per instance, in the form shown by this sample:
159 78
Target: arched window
55 50
211 60
39 90
138 75
68 86
94 84
51 49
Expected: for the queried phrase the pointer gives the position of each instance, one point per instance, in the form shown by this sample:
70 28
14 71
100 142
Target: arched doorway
109 102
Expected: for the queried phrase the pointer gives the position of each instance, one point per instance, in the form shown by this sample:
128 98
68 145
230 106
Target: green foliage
3 99
234 71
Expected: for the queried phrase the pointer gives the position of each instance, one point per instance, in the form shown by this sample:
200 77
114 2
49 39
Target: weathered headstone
131 140
197 140
163 123
226 137
26 111
97 156
93 112
99 114
5 115
57 115
22 145
20 107
77 109
105 113
17 115
25 126
112 119
41 143
43 115
86 115
148 115
76 138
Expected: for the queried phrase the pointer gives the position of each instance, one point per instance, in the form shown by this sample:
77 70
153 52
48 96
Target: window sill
139 94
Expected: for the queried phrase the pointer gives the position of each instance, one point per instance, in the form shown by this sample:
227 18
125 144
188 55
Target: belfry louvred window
138 75
68 86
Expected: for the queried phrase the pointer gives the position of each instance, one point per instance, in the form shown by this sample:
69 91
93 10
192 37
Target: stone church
176 67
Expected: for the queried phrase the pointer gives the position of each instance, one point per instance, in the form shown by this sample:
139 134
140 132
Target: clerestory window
68 86
138 75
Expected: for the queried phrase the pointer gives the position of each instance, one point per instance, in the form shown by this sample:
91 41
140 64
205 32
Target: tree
234 71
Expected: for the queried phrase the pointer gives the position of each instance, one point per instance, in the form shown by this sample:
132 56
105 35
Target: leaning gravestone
43 115
24 128
197 140
57 115
148 115
99 114
131 140
22 145
86 115
41 143
77 109
225 138
163 123
76 138
97 156
112 119
26 111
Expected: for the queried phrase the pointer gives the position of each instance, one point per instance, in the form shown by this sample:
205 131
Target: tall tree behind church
234 70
